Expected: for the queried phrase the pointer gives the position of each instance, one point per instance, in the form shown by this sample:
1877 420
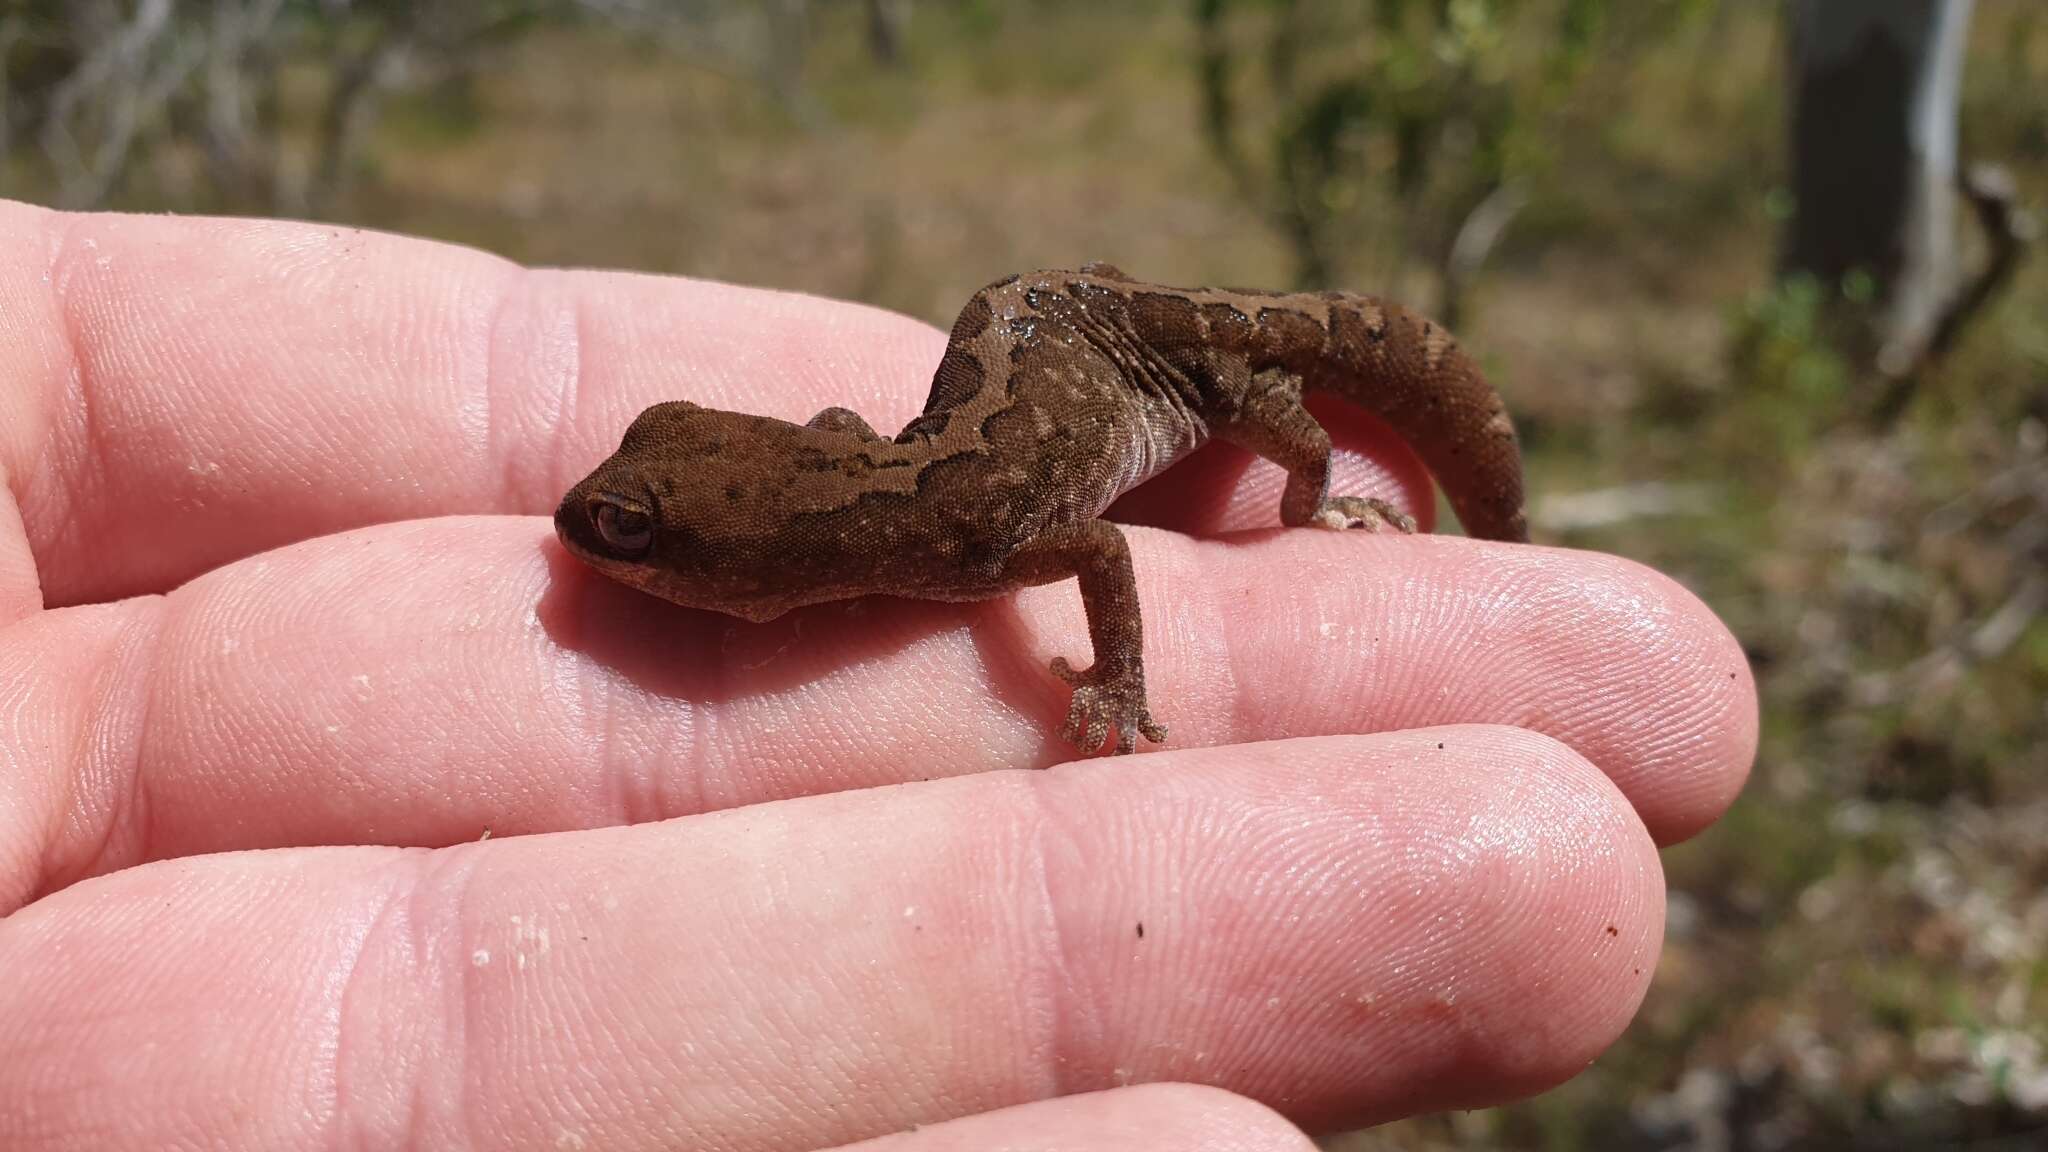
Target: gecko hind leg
1273 423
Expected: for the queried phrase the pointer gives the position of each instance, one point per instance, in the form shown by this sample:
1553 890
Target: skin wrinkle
21 476
65 837
501 455
478 407
75 377
21 599
388 918
40 860
708 723
1374 668
605 735
469 1107
137 661
18 855
1231 629
73 394
1205 637
1074 1045
598 702
591 697
656 784
569 396
429 888
55 820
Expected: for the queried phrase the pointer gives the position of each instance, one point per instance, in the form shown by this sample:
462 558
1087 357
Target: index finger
184 392
178 393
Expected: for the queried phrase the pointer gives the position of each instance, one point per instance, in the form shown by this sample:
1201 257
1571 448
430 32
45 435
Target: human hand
746 886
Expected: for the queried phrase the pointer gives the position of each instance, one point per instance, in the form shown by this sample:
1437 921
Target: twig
2009 229
1995 198
2002 628
1607 507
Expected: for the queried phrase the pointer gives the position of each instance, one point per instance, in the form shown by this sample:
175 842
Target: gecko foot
1367 512
1105 698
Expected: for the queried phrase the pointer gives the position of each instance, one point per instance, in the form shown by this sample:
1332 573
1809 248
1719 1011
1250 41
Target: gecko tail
1409 370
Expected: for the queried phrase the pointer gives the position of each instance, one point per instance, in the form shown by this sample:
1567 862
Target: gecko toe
1367 512
1098 731
1070 732
1106 699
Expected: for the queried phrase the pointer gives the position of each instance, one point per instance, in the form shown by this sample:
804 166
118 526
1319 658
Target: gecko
1057 392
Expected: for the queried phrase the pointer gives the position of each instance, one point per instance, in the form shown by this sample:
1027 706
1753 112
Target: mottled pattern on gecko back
1120 379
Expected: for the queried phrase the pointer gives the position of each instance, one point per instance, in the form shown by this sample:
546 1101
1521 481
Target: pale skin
1400 856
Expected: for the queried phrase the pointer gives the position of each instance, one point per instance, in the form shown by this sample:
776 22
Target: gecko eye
628 531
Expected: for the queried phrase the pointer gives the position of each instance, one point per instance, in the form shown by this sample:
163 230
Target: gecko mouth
663 584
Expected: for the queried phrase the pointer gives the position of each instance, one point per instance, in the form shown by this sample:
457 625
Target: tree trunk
887 22
1875 87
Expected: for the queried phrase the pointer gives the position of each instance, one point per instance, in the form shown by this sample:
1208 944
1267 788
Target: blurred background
1754 276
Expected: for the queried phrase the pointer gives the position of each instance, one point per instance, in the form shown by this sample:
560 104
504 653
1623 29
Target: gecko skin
1058 392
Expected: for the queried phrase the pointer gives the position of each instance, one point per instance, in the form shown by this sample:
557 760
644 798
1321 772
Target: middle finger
425 683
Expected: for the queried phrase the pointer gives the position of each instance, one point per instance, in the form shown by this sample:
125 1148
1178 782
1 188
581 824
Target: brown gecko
1058 392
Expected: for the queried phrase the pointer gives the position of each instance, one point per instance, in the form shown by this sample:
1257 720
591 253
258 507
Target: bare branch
117 77
238 150
2009 229
1566 512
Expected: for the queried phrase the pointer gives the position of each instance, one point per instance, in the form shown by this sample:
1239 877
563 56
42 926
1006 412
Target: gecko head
667 513
717 511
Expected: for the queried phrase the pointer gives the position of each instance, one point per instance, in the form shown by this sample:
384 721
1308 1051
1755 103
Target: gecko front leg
1110 692
1273 423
